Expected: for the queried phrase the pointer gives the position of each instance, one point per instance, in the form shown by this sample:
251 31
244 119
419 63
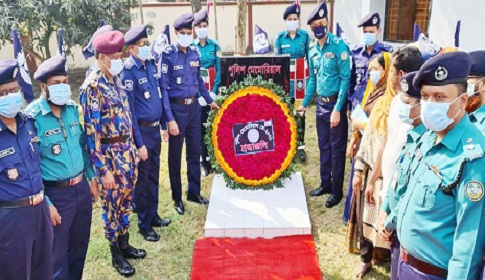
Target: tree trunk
196 6
241 26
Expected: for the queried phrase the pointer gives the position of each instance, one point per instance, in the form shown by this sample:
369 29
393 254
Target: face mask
202 33
405 111
184 40
320 32
10 104
370 39
116 66
291 25
470 90
375 76
144 53
59 94
435 115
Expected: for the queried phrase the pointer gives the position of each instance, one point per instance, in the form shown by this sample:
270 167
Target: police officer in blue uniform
329 66
362 54
476 89
180 83
295 42
441 217
140 78
90 48
26 234
65 167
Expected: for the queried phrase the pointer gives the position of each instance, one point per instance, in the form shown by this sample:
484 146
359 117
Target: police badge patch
56 149
129 85
441 73
299 85
179 80
344 55
374 20
147 95
164 68
474 191
321 13
404 86
13 174
95 105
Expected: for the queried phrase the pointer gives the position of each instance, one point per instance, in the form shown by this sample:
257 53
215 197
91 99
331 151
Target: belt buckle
37 198
155 123
326 99
188 101
74 181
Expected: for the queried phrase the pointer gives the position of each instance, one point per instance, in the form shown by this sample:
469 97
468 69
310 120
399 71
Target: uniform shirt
297 47
106 114
447 230
180 76
92 68
20 175
359 76
63 150
478 118
408 159
142 87
209 58
329 68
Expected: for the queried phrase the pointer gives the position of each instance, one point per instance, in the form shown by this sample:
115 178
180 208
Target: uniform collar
417 132
177 49
44 106
378 48
136 62
297 33
453 137
479 114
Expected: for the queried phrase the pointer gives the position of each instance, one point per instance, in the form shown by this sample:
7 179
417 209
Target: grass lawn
171 257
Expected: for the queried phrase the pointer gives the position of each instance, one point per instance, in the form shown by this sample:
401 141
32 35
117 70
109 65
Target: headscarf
371 88
381 110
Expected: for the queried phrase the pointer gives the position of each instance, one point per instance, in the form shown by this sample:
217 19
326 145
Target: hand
301 109
334 119
214 106
381 228
356 124
173 128
55 217
94 189
369 193
357 182
202 102
143 153
213 95
108 181
165 135
351 149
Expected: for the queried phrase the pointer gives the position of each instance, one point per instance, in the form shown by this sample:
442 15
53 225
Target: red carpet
281 258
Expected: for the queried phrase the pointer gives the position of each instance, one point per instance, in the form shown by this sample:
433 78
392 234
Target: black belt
151 124
424 267
114 140
184 101
64 183
32 200
329 98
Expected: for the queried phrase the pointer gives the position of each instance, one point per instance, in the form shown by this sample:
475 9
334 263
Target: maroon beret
109 42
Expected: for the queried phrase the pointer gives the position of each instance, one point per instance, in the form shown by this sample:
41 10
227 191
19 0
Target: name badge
178 67
7 152
285 46
52 132
142 81
418 154
329 55
194 64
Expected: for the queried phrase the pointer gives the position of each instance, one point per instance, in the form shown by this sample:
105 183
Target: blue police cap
318 13
478 65
54 66
444 69
201 16
136 33
372 19
407 85
292 9
183 21
8 71
109 42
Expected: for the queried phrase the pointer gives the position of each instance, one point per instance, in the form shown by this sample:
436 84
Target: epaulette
302 31
33 108
170 49
337 40
472 149
280 34
387 47
358 48
313 44
193 48
26 115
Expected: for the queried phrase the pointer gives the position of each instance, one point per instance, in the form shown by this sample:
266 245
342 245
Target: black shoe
332 201
198 199
130 252
119 262
205 169
320 191
302 155
179 207
159 222
149 234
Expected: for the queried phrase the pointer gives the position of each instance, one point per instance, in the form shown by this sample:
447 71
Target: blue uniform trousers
188 120
26 243
395 258
204 114
146 190
408 272
332 143
71 237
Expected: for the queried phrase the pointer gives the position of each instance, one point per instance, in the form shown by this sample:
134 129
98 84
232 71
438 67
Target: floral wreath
252 100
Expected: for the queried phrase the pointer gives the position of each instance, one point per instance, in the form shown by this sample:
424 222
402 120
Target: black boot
129 251
122 266
302 155
205 169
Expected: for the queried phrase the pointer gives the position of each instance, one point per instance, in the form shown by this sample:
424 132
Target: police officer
329 67
296 43
26 234
409 113
140 78
362 54
108 125
90 49
180 83
476 89
210 53
441 217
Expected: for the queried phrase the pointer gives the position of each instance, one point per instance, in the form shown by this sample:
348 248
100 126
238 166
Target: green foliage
226 92
38 20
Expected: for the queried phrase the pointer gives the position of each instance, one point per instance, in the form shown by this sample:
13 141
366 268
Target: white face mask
184 40
435 115
291 25
116 66
10 104
144 53
59 94
471 88
405 111
202 33
375 76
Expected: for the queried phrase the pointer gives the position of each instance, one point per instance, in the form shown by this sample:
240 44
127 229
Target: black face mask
320 31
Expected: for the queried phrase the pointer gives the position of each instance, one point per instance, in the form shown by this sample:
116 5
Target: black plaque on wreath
253 137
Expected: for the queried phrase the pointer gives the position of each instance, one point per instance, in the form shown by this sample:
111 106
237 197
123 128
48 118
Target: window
401 16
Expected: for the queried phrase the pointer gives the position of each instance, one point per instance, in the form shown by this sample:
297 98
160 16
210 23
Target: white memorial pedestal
258 213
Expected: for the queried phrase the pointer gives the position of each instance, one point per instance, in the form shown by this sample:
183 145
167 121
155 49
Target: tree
241 26
196 6
38 20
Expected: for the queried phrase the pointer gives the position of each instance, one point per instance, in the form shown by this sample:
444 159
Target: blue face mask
144 53
320 31
10 104
59 94
375 76
116 66
370 39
